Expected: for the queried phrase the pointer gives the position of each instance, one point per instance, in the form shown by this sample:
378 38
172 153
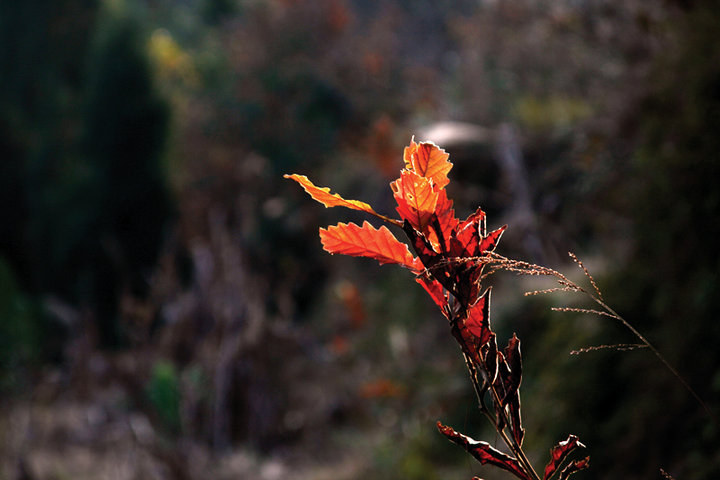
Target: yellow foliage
172 63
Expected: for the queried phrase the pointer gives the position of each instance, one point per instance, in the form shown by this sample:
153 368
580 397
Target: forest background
166 309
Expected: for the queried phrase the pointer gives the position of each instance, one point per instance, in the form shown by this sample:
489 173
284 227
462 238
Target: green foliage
19 336
163 392
126 124
83 198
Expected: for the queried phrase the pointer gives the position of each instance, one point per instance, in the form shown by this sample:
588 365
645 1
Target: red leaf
416 199
459 276
514 362
473 332
573 467
367 241
446 221
436 291
490 356
558 454
488 243
478 320
483 452
429 161
422 247
466 242
515 419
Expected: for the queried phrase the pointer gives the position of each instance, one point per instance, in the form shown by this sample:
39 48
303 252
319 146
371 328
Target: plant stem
509 441
657 354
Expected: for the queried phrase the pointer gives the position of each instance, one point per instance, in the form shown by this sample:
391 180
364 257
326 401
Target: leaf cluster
449 263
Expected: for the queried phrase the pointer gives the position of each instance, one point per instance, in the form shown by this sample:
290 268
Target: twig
525 268
583 310
622 347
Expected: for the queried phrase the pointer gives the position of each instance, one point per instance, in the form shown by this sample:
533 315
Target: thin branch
584 310
525 268
622 347
548 290
587 274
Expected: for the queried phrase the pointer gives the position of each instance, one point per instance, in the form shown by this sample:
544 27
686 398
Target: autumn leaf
478 320
435 290
428 160
465 241
416 199
470 238
516 419
558 454
445 220
484 452
323 195
514 362
367 241
488 242
473 332
573 467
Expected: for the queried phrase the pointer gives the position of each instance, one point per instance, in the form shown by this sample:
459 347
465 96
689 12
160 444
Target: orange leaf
429 161
323 195
367 241
416 199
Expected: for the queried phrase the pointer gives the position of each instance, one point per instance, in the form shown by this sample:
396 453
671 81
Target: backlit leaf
478 320
488 242
573 467
416 199
323 195
483 452
367 241
435 290
514 362
429 161
473 332
446 221
558 454
466 240
515 418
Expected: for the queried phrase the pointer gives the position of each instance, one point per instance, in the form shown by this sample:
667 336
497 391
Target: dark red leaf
514 363
465 241
484 453
446 218
428 256
490 354
500 382
478 319
477 218
488 243
558 454
442 271
515 418
573 467
473 331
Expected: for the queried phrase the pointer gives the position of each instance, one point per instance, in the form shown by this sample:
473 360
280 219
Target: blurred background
166 309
